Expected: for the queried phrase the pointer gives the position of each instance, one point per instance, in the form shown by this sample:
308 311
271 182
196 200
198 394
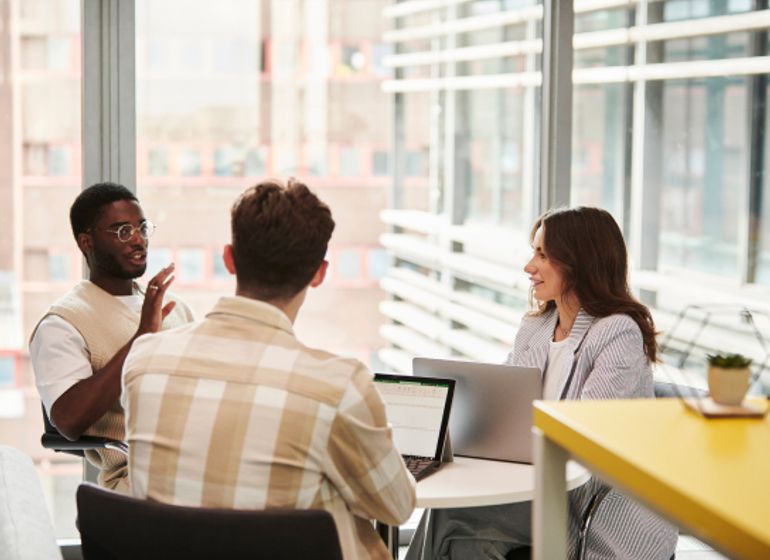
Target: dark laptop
418 412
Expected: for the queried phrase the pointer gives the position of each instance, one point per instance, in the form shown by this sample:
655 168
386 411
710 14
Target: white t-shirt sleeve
59 357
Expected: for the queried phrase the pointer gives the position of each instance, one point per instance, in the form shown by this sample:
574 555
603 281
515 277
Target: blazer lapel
536 353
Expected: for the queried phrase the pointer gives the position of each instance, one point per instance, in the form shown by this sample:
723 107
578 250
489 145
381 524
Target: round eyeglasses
126 232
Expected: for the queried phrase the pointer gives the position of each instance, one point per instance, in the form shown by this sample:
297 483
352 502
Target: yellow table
709 477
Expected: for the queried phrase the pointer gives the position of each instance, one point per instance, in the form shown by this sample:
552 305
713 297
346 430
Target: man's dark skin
113 265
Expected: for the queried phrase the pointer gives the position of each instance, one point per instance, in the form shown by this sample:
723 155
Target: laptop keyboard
420 467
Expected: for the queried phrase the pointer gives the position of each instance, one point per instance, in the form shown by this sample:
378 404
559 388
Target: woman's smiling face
546 278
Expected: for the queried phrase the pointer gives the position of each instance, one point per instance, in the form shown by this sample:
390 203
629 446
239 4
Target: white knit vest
107 324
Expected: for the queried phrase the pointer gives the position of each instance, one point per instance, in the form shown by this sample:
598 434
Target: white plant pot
728 385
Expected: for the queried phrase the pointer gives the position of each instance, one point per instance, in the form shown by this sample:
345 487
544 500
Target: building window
59 55
59 267
35 159
59 158
377 261
350 165
255 162
7 371
218 269
414 164
190 266
379 52
158 258
190 162
380 163
349 264
34 53
157 162
225 164
352 60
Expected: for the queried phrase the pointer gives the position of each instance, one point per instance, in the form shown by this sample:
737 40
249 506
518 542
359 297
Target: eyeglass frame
147 224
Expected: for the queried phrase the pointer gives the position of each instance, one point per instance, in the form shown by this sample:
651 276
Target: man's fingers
158 286
161 276
167 308
164 286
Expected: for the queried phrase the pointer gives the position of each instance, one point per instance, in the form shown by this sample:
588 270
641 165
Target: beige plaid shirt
235 412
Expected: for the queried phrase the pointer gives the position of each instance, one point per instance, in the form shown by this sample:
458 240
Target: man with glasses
78 347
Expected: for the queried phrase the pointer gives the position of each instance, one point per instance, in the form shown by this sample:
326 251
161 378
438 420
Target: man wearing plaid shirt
233 411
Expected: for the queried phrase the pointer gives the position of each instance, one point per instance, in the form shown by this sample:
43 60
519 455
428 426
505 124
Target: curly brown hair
587 246
280 234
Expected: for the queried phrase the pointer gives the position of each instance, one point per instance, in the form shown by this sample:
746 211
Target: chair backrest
663 389
117 527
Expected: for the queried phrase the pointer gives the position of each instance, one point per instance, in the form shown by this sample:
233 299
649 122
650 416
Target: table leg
550 507
389 535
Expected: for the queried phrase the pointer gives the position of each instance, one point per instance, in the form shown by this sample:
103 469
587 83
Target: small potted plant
728 377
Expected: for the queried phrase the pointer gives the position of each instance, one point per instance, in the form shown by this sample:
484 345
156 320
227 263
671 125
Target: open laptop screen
418 411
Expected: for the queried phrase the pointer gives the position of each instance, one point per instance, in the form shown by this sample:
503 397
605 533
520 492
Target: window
157 162
414 164
223 161
7 372
35 159
349 264
218 269
59 158
352 60
34 51
40 177
59 267
377 261
190 266
190 162
59 53
255 162
380 163
157 258
349 162
379 52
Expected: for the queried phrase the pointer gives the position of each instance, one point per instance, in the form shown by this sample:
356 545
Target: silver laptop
418 411
492 410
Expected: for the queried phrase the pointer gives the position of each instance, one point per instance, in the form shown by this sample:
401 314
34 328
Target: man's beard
107 263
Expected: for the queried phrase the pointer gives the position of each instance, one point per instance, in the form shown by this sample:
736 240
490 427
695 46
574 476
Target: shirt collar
252 310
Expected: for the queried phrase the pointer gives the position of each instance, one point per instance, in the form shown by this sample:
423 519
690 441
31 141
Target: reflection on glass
599 158
190 266
40 174
490 155
231 94
704 142
421 118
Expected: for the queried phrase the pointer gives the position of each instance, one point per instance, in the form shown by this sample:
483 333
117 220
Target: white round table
467 482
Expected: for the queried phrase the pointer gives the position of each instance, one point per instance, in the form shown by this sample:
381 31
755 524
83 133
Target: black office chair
118 527
52 439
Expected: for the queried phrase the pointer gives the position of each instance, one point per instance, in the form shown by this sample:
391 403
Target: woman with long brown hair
592 340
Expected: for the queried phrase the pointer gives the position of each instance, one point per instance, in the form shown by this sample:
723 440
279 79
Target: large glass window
228 95
40 175
704 174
